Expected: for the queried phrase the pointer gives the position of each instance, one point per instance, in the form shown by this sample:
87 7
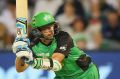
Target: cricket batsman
49 48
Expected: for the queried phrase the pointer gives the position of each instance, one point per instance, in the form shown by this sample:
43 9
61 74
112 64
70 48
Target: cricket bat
21 17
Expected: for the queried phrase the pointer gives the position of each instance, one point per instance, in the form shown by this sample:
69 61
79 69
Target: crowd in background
93 24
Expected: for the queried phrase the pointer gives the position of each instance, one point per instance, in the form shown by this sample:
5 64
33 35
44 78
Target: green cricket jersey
63 43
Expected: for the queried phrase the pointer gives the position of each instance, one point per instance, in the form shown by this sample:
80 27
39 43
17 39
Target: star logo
63 48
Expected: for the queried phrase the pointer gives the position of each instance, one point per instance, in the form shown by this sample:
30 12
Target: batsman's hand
22 50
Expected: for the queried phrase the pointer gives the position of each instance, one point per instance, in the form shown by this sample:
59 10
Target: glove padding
25 54
21 49
20 43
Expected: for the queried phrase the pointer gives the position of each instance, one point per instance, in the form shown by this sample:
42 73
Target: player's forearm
20 65
46 64
53 63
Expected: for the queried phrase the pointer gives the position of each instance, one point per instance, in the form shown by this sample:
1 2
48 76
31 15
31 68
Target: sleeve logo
63 48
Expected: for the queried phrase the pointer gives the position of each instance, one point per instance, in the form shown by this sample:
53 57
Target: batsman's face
48 32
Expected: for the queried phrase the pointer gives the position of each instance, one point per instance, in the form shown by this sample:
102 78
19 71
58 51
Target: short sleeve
64 43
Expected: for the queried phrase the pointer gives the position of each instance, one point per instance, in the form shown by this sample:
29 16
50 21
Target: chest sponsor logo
43 54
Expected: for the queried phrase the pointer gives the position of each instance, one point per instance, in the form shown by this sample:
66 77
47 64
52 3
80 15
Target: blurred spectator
103 44
79 10
2 36
92 8
5 39
67 17
31 3
110 4
2 5
8 17
95 9
94 25
78 26
86 7
113 3
119 9
99 42
50 6
111 26
105 6
80 41
12 7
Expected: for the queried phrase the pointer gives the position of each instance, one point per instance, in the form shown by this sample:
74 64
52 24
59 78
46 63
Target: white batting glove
25 54
19 43
21 49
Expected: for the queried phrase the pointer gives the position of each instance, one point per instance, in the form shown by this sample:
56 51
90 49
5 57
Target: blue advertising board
108 64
